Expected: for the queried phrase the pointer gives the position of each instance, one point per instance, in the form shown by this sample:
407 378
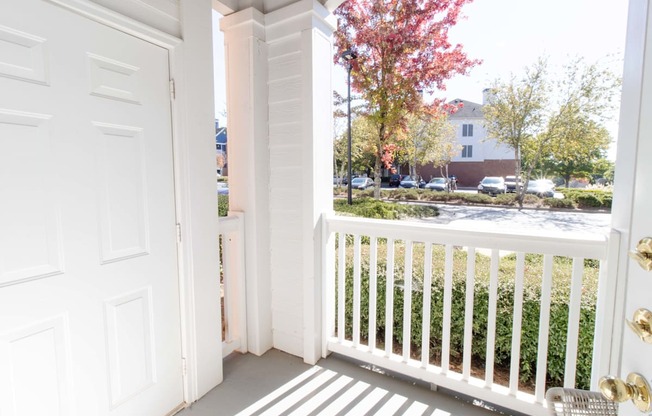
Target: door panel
89 297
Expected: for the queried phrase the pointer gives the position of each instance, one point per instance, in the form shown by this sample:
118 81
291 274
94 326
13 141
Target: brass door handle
635 388
643 253
641 324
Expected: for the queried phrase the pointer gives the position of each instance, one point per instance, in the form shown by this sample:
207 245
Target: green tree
604 169
545 120
515 115
429 138
363 133
584 143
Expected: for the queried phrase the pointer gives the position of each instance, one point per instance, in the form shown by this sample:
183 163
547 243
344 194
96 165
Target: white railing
362 258
232 282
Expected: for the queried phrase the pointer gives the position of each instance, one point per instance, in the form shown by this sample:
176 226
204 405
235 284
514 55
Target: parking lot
490 218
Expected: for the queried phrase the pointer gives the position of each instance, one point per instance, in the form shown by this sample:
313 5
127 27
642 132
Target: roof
469 109
220 135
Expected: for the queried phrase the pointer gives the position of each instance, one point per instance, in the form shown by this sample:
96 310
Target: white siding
483 149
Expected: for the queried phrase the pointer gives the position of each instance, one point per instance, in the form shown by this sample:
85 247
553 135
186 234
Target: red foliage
402 50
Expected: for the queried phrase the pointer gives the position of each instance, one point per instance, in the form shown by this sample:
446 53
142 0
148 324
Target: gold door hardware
643 253
641 324
634 388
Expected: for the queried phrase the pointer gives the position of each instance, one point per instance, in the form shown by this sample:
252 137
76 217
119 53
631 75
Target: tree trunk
520 190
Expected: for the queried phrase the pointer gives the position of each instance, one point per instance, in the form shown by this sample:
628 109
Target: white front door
89 288
633 199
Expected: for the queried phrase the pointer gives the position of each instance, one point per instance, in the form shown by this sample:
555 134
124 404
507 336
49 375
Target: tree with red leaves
402 51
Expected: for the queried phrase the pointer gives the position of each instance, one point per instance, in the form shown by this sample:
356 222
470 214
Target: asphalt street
489 218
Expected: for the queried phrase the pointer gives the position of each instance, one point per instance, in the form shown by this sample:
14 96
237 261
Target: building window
467 150
467 130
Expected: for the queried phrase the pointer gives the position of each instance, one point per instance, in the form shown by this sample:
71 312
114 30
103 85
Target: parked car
544 188
395 180
361 183
340 181
510 183
222 188
439 184
492 185
412 182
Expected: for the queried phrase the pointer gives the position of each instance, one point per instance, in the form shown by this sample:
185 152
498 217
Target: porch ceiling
278 383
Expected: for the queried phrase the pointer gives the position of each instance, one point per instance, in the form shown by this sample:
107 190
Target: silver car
361 183
438 184
492 185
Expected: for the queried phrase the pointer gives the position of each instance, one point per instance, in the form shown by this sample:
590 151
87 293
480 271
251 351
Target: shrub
589 200
530 199
222 205
558 203
438 196
406 194
505 199
477 198
372 208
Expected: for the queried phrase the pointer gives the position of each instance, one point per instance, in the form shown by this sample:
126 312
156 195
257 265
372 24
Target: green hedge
588 198
222 205
573 198
373 208
504 316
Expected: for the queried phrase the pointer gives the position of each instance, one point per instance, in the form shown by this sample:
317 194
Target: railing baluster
427 289
356 291
468 313
407 300
491 318
389 299
572 337
544 329
514 367
348 314
341 293
446 324
373 281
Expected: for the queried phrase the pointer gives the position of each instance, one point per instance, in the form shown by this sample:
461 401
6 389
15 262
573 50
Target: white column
246 73
300 145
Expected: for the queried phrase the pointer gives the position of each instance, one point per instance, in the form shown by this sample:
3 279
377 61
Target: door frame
194 166
626 166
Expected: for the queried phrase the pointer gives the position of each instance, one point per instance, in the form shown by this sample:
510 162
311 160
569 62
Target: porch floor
280 384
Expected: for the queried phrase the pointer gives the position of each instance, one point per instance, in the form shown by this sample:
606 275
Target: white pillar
246 73
301 152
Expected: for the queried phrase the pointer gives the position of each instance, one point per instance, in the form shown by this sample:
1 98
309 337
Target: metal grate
573 402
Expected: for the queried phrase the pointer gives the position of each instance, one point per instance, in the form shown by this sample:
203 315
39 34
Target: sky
508 35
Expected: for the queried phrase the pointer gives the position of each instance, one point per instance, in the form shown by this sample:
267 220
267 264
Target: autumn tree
402 49
544 119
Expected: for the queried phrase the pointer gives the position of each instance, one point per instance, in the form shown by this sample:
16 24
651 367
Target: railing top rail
568 244
231 223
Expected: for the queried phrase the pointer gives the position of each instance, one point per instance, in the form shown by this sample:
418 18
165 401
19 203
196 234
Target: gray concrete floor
281 384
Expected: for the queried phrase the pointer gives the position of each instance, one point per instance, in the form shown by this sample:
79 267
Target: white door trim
626 163
197 250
